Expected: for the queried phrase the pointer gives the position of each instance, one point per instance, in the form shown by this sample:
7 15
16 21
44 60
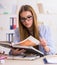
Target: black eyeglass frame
28 18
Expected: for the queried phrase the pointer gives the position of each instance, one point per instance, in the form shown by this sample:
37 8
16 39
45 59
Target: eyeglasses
28 18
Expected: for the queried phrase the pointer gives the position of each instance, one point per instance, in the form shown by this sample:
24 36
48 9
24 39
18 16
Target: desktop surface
38 61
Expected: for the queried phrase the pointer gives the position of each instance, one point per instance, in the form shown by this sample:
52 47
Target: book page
31 38
22 58
30 41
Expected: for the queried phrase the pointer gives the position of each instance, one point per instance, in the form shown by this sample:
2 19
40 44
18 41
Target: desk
38 61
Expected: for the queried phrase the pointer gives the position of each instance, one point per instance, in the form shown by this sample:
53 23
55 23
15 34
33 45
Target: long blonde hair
22 30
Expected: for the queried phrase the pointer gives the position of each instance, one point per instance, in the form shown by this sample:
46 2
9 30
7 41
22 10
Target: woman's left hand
43 43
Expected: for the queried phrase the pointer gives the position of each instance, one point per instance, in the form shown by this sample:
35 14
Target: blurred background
46 12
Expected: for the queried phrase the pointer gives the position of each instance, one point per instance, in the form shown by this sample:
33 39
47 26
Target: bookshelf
8 19
7 26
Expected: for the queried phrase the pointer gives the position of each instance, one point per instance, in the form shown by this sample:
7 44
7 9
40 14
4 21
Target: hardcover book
29 49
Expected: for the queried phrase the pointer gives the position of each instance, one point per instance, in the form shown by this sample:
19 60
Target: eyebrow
26 16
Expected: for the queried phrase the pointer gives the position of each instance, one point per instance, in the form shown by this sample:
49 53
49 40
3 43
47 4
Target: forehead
25 13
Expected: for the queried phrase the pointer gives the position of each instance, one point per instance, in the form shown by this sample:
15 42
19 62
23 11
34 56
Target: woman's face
26 19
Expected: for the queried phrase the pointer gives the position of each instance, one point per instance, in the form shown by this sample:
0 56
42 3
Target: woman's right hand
17 51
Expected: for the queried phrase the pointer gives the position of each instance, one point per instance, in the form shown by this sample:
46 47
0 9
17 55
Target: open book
11 57
22 58
28 41
30 49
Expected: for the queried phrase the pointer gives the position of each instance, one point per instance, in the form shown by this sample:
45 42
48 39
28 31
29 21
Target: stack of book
31 52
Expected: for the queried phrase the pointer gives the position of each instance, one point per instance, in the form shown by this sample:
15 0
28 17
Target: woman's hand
17 51
44 44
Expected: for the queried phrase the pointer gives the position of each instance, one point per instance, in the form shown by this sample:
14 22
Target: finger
22 50
17 49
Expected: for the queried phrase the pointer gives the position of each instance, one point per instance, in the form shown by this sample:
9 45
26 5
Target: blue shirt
44 33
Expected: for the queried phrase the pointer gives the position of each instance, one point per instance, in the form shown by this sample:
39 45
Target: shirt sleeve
46 34
16 36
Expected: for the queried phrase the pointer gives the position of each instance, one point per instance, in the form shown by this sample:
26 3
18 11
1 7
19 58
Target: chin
28 26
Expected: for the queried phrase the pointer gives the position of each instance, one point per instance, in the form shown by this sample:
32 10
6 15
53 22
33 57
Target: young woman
28 25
